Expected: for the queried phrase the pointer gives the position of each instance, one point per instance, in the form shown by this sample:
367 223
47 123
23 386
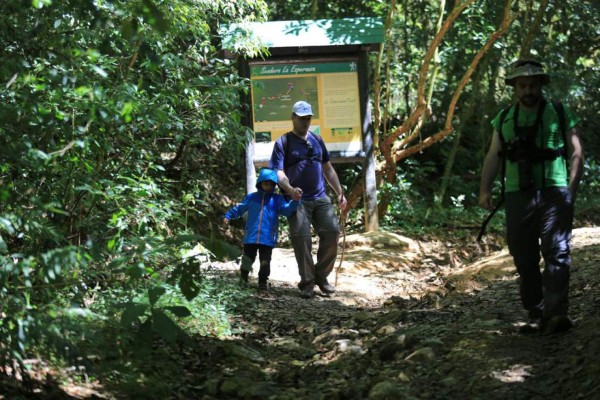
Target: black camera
520 151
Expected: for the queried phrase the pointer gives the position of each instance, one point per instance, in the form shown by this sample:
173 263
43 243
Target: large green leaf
3 246
132 312
155 293
221 249
164 326
179 311
188 287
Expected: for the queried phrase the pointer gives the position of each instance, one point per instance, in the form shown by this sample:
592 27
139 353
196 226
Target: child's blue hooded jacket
263 212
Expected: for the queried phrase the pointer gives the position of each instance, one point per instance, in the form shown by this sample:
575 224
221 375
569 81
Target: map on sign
331 88
273 98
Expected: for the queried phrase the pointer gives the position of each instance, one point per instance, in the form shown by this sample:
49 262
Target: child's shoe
244 277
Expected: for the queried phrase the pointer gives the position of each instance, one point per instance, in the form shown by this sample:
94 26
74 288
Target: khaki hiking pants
319 214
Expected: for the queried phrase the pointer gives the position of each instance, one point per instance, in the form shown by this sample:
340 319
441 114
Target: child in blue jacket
263 207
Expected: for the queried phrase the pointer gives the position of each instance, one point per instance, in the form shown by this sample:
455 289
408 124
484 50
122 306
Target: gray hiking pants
541 221
321 215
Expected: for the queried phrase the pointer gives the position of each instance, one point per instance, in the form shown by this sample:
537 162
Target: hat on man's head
526 67
302 109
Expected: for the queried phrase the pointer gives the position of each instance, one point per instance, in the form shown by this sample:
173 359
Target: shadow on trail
456 340
443 345
477 352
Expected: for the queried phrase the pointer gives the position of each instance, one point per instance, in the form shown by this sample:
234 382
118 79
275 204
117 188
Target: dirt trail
410 320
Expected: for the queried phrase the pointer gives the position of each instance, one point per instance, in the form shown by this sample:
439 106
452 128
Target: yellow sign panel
330 87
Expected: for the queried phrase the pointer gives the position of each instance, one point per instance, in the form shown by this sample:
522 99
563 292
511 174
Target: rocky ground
410 320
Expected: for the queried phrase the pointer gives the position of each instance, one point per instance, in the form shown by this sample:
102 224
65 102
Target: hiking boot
307 292
556 324
244 277
262 286
326 288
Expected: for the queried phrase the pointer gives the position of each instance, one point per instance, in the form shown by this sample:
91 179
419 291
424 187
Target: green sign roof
307 33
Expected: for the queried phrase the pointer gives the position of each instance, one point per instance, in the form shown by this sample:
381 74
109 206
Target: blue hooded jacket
263 210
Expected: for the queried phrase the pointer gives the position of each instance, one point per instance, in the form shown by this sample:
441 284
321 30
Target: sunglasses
309 153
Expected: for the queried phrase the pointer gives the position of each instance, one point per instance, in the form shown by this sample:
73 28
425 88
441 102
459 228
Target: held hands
296 193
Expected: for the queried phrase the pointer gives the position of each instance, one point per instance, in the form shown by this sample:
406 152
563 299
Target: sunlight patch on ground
515 374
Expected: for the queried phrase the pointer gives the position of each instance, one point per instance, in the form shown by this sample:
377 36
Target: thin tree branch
413 119
533 29
507 20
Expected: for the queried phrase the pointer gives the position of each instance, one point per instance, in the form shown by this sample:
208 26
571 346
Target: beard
530 100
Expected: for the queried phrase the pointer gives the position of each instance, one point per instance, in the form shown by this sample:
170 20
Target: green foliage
288 10
113 114
162 309
127 333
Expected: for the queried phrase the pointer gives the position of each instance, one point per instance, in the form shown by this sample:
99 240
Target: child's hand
225 221
296 194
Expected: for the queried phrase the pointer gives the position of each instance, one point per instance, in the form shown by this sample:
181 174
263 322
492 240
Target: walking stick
343 218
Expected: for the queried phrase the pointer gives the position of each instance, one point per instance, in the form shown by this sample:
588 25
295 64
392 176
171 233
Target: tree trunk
466 116
314 9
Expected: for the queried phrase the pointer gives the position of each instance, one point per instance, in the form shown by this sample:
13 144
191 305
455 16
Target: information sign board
331 87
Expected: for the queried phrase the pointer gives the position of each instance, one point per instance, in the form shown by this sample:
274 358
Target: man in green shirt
540 145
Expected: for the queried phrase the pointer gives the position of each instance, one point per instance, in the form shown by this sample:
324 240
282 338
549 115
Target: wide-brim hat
526 67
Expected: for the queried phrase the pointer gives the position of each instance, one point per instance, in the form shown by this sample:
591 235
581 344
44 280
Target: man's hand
485 200
296 193
342 201
225 221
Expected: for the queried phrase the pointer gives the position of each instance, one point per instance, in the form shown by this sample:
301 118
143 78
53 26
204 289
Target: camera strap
538 122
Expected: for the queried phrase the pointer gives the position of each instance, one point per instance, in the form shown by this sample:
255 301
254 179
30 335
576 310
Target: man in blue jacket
263 207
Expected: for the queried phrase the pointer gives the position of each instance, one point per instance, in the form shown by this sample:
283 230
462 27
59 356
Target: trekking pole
487 220
343 218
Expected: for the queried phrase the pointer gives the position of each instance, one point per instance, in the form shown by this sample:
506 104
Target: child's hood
266 174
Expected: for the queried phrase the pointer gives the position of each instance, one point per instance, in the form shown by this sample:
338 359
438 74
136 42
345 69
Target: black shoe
535 313
556 324
307 292
262 286
244 277
326 288
301 285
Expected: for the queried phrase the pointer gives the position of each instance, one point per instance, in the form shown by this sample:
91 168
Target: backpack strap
503 152
560 110
503 115
321 142
285 143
